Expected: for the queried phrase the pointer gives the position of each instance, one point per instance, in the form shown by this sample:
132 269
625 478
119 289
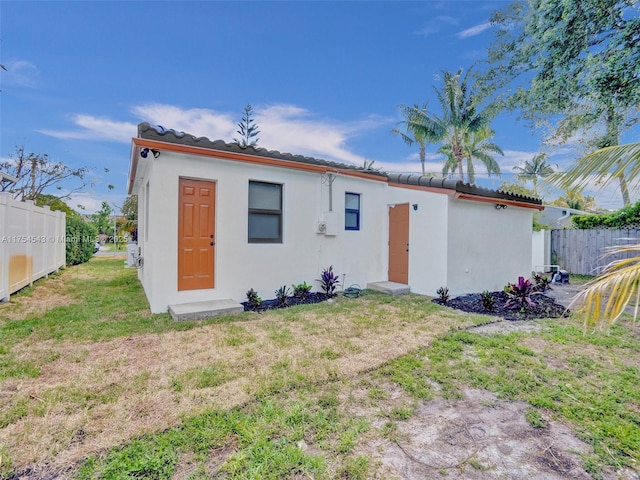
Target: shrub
487 300
519 294
281 295
301 290
443 294
329 281
81 237
542 282
253 299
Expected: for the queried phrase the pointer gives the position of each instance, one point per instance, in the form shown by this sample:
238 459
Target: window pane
351 220
264 226
265 196
352 201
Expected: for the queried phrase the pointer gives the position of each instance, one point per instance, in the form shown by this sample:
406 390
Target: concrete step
391 288
200 310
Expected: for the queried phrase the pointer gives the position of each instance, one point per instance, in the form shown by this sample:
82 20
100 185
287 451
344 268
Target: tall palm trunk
422 157
613 138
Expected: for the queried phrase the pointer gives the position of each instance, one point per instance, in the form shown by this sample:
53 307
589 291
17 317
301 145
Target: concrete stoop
391 288
200 310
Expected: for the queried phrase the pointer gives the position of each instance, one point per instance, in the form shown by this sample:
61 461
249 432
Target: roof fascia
240 157
498 201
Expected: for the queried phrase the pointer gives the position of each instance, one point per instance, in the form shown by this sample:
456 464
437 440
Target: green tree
532 170
55 203
518 188
418 128
576 61
476 146
460 120
248 131
37 173
573 198
101 220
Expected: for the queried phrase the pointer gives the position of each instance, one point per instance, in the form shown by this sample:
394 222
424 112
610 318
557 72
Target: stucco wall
427 237
487 247
240 265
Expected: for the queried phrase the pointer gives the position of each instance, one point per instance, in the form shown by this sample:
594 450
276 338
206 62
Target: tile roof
159 133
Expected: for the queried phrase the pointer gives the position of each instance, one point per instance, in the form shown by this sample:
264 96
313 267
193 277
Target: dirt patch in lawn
478 437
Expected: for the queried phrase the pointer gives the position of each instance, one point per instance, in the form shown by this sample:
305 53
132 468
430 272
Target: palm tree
460 118
476 146
534 169
606 297
416 130
574 199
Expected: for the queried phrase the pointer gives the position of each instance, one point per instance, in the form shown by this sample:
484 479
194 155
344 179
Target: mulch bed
545 306
273 304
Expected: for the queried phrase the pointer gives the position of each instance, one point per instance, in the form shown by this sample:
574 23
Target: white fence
32 243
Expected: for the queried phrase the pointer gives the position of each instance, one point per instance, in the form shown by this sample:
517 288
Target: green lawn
296 393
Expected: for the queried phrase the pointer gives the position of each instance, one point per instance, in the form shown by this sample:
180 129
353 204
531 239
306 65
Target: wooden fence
583 251
32 243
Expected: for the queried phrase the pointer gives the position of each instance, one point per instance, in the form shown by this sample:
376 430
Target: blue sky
324 78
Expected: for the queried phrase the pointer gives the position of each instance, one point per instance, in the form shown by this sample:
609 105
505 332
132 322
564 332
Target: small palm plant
329 281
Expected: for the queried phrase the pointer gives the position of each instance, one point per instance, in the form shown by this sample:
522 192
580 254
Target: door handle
212 243
211 236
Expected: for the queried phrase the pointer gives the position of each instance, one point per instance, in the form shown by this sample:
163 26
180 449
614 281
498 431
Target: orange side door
399 243
196 234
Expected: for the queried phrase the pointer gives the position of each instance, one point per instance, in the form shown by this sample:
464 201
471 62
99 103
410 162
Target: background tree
460 120
55 203
518 188
248 131
476 146
417 132
573 198
37 174
101 220
129 211
576 60
532 170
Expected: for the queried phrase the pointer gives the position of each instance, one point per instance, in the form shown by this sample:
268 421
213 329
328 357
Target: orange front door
399 243
196 234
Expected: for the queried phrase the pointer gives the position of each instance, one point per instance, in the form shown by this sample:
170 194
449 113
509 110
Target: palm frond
606 165
604 299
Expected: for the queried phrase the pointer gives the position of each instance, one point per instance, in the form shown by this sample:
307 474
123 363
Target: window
265 212
352 211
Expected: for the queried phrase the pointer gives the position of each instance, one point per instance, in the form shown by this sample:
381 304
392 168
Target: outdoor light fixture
144 153
415 206
500 206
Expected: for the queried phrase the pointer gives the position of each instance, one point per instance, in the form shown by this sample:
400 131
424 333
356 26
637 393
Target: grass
97 383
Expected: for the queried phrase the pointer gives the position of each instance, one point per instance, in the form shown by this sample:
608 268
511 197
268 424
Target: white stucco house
216 220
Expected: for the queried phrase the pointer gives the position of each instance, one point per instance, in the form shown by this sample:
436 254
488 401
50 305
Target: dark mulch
273 304
545 306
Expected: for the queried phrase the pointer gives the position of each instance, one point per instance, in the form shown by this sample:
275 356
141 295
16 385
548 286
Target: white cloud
96 128
284 127
435 25
473 31
292 129
22 73
199 122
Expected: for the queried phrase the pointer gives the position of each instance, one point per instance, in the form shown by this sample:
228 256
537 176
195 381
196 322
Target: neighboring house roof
152 137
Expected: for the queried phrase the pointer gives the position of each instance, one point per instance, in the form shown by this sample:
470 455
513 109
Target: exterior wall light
144 153
500 206
415 206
